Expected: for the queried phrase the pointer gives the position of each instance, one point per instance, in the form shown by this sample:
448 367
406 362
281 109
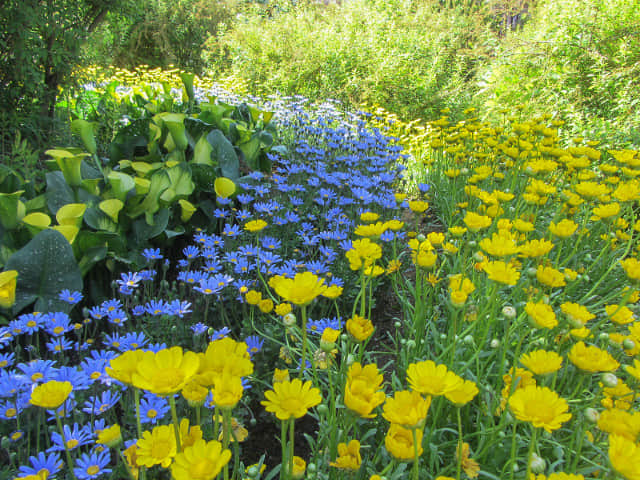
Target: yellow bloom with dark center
201 461
363 389
255 225
592 359
406 408
165 372
51 395
399 442
300 290
564 228
157 447
360 328
540 406
348 456
616 421
8 282
624 455
501 272
550 277
542 362
631 267
577 314
476 222
428 378
535 248
619 314
291 399
541 314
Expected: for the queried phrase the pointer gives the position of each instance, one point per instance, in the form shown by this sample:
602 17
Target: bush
410 57
579 58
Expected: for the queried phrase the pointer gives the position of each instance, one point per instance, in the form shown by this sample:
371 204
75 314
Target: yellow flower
348 456
564 228
194 393
166 371
360 328
157 447
523 226
634 370
363 253
619 314
470 466
418 206
255 225
500 244
541 314
539 406
577 314
280 375
436 238
110 436
458 282
253 298
399 442
501 272
463 394
50 395
476 222
542 362
283 308
616 421
266 305
428 378
557 476
457 231
224 355
425 259
624 456
550 277
592 359
406 408
605 211
333 292
189 434
631 268
299 466
535 248
227 390
369 217
201 461
300 290
291 399
8 282
363 389
238 432
372 230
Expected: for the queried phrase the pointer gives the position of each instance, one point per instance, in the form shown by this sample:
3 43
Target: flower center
152 413
160 449
201 468
291 404
93 469
72 443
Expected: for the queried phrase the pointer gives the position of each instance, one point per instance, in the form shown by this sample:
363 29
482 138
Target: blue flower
153 408
92 465
57 323
96 406
221 213
244 198
111 305
191 252
180 308
79 379
38 370
48 463
146 275
129 280
74 437
254 344
191 277
133 341
138 310
220 333
319 326
157 307
152 254
7 359
117 317
156 347
199 328
70 297
231 230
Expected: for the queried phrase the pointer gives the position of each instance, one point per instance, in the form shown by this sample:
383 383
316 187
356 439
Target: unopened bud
289 320
538 463
591 415
509 312
609 380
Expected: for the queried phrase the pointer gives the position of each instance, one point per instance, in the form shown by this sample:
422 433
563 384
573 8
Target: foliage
412 58
579 60
159 33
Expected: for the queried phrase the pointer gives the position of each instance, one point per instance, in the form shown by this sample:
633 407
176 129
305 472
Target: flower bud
591 415
289 320
538 463
468 339
411 343
350 359
609 380
420 237
322 408
509 312
397 324
495 343
628 344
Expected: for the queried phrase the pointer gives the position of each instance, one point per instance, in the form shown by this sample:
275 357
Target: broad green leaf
121 183
204 176
150 205
70 165
202 152
143 231
11 211
181 182
187 81
58 193
224 154
98 220
45 266
175 123
251 152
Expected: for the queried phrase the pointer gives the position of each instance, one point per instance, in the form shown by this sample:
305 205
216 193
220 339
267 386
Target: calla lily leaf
224 187
112 208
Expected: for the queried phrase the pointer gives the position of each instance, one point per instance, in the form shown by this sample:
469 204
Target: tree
40 44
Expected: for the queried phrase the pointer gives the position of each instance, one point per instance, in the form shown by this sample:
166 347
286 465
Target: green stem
176 425
416 457
66 448
226 428
283 444
459 466
292 423
532 446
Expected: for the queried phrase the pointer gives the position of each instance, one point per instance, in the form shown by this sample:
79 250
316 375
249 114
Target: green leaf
204 176
181 183
122 184
45 266
202 152
10 209
251 152
187 81
175 123
159 183
142 231
58 192
224 154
